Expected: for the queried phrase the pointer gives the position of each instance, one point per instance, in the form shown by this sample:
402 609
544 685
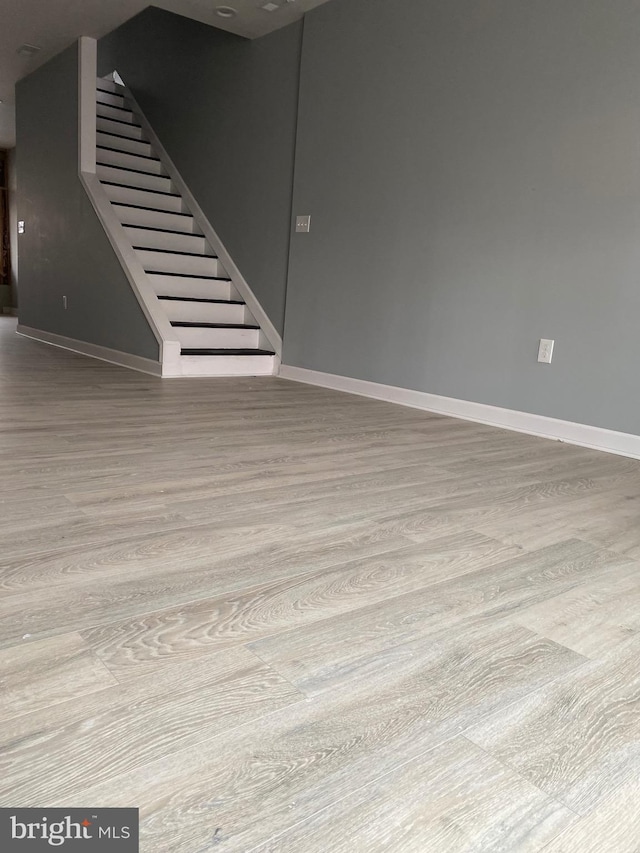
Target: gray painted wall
473 174
224 108
64 250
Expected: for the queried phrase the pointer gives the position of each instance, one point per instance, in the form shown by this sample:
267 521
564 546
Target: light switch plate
303 224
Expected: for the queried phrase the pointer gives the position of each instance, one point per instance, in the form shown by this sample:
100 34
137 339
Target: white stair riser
145 199
199 288
106 111
203 312
133 179
155 219
129 161
186 264
110 98
111 126
227 365
135 146
217 338
164 240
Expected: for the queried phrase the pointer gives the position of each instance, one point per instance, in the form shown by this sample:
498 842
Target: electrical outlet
303 224
545 351
21 226
64 302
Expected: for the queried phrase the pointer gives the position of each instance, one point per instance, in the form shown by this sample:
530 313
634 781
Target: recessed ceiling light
28 50
226 11
270 7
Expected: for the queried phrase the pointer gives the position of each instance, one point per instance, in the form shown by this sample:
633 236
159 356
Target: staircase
217 333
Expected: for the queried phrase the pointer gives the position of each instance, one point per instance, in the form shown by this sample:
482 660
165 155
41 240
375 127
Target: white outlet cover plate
303 224
545 351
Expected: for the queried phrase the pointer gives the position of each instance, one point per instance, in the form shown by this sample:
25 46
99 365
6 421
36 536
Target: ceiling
53 25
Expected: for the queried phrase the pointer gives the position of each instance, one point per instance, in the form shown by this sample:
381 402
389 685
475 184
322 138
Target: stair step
134 214
211 313
118 113
127 160
108 85
107 139
196 287
223 351
155 229
140 180
186 263
127 194
122 108
175 252
160 238
181 275
113 99
216 335
125 128
227 362
119 128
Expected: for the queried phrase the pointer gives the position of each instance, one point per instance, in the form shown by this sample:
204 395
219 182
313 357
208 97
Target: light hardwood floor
279 618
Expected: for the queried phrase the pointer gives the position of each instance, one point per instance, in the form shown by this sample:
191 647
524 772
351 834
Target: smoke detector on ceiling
226 11
270 7
28 50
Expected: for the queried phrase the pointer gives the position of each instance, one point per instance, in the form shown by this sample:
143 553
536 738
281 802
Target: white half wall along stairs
203 313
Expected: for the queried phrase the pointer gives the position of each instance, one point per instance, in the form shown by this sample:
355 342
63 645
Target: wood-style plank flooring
280 618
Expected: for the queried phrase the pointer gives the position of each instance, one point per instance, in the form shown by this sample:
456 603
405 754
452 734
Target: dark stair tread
140 189
130 153
175 252
187 324
161 230
199 299
202 351
188 275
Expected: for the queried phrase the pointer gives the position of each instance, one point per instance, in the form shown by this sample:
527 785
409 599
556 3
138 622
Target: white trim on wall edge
113 356
595 438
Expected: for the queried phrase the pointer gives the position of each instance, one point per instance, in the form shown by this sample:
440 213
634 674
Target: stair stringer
269 333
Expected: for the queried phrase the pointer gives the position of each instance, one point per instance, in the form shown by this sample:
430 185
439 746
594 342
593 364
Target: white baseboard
113 356
595 438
